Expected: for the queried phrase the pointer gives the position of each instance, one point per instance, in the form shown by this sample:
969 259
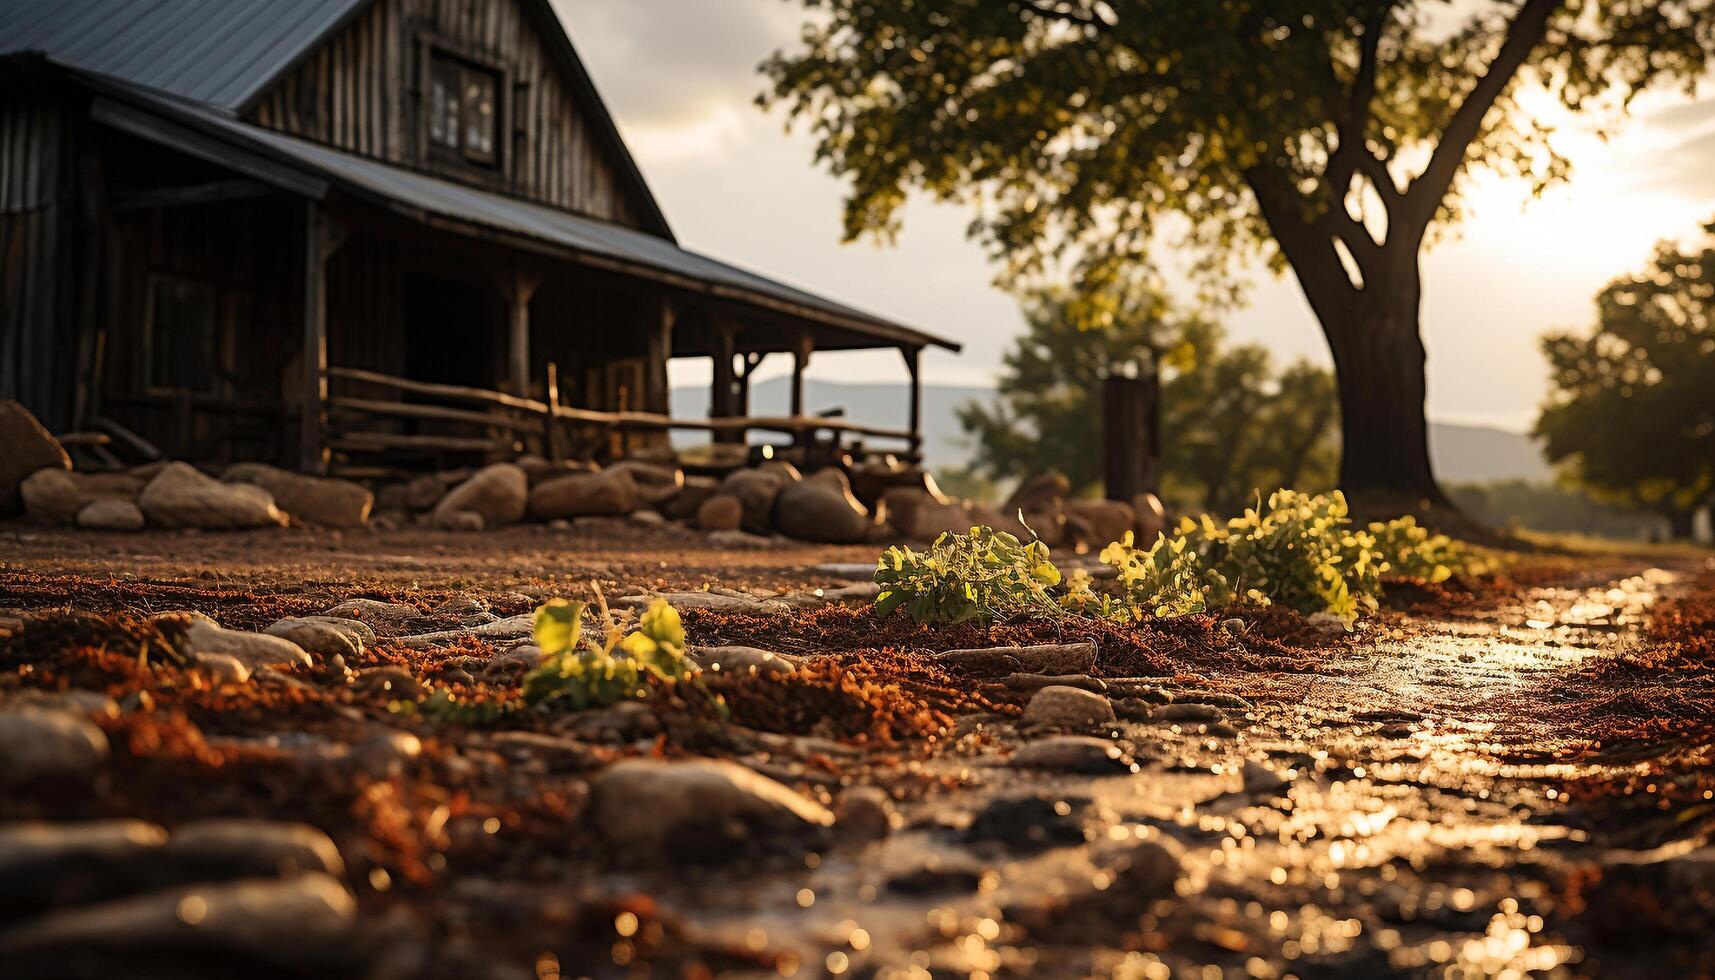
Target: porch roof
311 170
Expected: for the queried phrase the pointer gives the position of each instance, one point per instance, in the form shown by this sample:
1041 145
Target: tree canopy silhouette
1332 137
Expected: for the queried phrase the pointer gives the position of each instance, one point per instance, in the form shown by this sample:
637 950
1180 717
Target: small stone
48 746
647 518
518 660
388 616
1079 754
1052 658
1259 778
1032 682
387 754
1068 707
240 846
253 650
1029 822
739 540
627 721
721 512
318 635
464 521
89 704
395 683
712 601
1231 702
222 668
466 610
739 659
1151 867
1189 711
939 878
756 491
699 811
110 514
858 593
865 813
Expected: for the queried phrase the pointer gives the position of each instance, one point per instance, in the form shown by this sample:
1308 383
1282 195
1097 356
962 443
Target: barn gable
378 87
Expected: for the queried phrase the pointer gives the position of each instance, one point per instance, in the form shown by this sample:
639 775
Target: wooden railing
512 420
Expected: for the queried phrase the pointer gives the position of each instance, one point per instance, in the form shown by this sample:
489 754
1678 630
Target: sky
680 78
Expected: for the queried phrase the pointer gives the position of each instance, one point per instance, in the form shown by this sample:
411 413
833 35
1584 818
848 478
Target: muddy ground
1502 776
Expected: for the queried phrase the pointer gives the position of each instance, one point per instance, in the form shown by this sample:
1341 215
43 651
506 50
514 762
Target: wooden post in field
1129 434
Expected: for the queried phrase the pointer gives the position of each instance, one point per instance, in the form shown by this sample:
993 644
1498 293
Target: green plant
604 672
1171 578
1411 551
983 574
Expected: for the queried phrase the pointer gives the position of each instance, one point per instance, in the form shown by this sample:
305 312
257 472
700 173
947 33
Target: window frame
220 309
439 51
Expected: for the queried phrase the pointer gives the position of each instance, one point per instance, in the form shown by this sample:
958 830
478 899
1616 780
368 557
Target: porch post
802 346
312 453
519 287
913 366
722 394
659 348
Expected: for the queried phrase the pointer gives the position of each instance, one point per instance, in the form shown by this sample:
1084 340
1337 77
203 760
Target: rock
318 500
1041 500
698 811
43 865
518 660
858 592
787 472
498 493
538 470
756 491
511 628
1094 524
921 516
865 813
728 660
655 485
1260 779
110 515
713 601
936 877
1190 712
222 668
55 496
253 650
739 540
182 497
1050 658
234 847
1029 822
685 504
48 746
294 924
721 512
1231 702
1068 707
1151 518
1074 754
391 617
25 447
393 683
420 494
319 635
647 518
1033 682
386 754
466 521
609 492
466 610
627 721
90 704
821 509
1151 867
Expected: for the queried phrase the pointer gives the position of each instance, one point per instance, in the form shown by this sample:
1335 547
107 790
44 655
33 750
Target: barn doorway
450 332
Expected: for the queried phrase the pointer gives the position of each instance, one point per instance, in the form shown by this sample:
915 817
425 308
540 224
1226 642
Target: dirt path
1423 802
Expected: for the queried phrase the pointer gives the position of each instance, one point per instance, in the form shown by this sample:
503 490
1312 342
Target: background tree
1331 136
1230 425
1632 411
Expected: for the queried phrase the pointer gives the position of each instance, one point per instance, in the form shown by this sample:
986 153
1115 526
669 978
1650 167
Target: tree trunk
1379 365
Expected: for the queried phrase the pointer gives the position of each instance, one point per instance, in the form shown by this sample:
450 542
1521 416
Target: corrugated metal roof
220 52
470 206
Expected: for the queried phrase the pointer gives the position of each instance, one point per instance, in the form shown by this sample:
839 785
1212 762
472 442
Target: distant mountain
1463 453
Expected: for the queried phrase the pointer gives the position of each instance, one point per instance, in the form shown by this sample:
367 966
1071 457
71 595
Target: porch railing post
312 449
551 418
914 423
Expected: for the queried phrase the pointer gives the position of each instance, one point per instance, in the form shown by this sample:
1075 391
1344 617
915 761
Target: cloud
1687 115
1687 169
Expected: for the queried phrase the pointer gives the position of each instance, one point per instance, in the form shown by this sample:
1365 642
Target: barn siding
362 91
37 200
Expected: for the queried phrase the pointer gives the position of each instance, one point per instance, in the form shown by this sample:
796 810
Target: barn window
180 344
463 113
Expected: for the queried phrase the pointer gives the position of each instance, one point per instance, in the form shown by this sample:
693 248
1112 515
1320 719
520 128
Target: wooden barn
361 235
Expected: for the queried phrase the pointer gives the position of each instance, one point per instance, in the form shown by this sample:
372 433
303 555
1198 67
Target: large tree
1232 426
1632 412
1331 135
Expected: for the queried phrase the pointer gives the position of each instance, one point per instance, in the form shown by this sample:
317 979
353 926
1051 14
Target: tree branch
1309 249
1065 12
1424 195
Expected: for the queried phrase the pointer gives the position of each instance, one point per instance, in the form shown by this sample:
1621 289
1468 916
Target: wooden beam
437 413
659 347
803 345
914 366
518 285
212 192
441 390
372 441
312 453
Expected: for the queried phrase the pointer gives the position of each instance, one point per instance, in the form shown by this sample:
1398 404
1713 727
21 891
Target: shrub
605 672
1412 552
983 575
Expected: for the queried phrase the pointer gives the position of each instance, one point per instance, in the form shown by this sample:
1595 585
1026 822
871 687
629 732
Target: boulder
48 746
25 447
655 484
318 500
1095 524
787 472
1068 707
609 492
324 635
419 494
236 846
459 520
1041 500
539 470
56 496
180 497
755 490
498 494
690 497
699 810
721 512
821 508
865 813
110 514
